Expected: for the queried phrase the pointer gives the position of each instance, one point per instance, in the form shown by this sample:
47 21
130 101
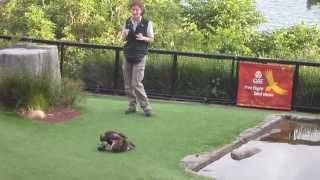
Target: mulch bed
61 114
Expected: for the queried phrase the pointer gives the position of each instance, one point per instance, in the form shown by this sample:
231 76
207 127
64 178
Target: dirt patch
61 114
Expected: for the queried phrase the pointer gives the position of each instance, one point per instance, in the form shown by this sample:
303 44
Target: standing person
138 33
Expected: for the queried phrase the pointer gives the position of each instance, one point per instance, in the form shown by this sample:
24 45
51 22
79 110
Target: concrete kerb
195 162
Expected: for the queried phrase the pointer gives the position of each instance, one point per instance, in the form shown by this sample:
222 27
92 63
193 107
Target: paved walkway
276 161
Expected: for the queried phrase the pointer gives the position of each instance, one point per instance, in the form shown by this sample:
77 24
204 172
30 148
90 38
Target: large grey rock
31 59
242 153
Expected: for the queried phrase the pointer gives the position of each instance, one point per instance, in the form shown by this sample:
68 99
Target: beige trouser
133 75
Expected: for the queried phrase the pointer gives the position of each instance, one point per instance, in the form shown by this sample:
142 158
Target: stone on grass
242 153
36 114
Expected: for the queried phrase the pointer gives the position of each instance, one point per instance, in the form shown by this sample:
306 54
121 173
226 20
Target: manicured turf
67 151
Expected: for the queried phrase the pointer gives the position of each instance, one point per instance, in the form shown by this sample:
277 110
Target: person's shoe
130 111
148 112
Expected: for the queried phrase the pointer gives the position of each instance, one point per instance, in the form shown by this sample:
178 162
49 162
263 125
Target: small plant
97 71
69 93
37 101
21 91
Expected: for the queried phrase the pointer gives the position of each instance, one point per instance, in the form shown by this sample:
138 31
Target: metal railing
175 55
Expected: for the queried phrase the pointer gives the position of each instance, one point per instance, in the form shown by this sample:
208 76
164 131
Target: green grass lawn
33 150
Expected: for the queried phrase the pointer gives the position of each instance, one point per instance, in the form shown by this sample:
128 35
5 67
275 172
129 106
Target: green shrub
296 42
158 72
97 71
69 93
19 90
37 101
308 88
36 92
204 77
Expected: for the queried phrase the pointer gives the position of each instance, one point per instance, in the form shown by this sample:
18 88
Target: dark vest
135 50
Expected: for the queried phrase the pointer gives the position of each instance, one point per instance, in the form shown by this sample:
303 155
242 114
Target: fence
174 81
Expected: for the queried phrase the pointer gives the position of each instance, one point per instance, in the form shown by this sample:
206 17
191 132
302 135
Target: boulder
31 59
242 153
36 114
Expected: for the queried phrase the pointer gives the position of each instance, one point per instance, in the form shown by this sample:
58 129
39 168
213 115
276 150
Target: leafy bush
36 92
73 61
24 91
204 77
97 70
296 42
308 88
158 72
69 94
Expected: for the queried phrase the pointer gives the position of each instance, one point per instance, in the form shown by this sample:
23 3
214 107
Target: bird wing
273 85
279 90
269 77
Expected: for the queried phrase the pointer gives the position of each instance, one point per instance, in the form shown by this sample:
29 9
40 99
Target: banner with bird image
265 85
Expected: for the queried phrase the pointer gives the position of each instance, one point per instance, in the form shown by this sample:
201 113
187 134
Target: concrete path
276 161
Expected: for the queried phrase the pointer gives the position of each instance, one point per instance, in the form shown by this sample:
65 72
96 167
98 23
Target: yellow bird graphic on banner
273 85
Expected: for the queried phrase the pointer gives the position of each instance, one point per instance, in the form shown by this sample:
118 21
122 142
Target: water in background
285 13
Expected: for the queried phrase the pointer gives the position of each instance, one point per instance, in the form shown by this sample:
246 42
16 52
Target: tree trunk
31 59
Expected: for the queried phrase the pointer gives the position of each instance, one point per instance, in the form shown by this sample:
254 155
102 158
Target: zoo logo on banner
265 85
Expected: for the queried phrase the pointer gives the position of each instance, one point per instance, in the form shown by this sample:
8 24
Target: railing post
61 48
116 70
174 74
236 79
295 85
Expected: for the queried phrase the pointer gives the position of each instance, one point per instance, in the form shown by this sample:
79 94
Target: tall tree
225 24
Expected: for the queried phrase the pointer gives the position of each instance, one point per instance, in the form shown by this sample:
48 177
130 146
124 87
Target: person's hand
140 37
125 33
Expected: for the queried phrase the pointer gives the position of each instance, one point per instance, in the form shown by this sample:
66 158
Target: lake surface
285 13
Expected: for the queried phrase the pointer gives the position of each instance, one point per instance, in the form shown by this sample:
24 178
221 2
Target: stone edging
195 162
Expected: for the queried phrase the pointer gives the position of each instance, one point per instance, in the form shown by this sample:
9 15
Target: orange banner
265 85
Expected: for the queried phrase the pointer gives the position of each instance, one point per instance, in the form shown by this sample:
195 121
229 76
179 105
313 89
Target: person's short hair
137 3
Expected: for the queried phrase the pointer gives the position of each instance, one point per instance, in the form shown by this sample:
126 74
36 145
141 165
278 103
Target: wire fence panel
174 74
308 88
